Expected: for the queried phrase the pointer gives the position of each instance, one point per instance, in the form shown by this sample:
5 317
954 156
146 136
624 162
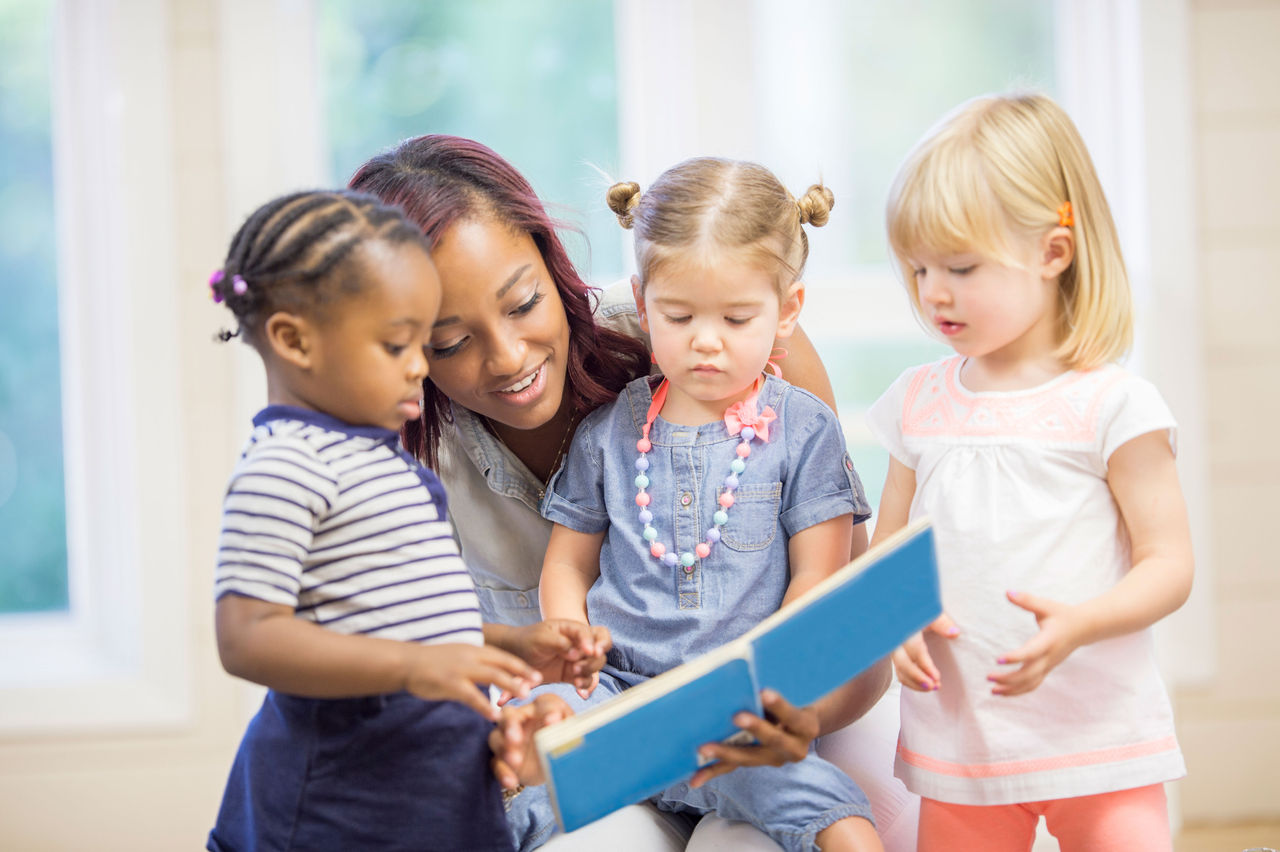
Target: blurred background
135 136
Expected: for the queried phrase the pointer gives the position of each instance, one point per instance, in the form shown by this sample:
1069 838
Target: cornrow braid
293 254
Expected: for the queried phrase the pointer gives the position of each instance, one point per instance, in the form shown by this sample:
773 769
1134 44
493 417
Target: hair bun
815 205
622 198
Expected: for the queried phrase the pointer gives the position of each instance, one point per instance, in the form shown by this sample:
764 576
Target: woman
521 352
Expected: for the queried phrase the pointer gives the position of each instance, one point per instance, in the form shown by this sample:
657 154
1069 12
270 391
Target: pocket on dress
753 517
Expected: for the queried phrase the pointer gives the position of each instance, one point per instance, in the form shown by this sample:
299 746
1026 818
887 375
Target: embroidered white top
1015 484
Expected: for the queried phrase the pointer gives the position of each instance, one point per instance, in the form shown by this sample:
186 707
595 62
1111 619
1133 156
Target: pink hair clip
239 285
214 280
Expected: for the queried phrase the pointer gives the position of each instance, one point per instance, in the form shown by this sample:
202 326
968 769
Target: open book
642 741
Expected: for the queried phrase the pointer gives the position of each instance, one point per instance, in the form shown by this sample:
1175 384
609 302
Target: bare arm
816 553
895 500
569 568
803 367
914 667
267 644
1144 480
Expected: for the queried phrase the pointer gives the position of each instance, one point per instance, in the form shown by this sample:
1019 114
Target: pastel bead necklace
742 419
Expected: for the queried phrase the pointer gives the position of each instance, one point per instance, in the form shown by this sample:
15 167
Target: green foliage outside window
33 539
535 81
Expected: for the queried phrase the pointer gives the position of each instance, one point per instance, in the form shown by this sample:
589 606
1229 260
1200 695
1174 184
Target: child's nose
931 290
418 365
705 339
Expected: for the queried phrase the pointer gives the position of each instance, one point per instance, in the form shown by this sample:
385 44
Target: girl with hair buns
706 497
522 350
1048 472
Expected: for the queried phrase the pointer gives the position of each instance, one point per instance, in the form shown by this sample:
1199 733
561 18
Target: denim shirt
493 497
662 616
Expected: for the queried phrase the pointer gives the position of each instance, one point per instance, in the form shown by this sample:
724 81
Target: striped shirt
340 523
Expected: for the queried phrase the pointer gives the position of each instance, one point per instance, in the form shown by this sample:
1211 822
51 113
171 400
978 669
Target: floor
1230 838
1202 838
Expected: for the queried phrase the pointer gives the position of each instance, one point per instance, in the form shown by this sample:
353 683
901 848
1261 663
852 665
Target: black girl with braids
338 582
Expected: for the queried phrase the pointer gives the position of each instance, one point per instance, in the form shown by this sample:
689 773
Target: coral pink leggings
1134 820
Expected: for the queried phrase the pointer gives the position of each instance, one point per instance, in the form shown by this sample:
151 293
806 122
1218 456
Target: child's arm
817 552
1144 480
570 567
561 650
515 759
914 667
265 643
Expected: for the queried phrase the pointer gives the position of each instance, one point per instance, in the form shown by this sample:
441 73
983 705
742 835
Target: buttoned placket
687 459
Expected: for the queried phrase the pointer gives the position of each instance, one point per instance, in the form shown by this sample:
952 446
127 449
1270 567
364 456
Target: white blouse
1015 485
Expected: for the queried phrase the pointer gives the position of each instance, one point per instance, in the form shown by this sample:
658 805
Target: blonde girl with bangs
1048 472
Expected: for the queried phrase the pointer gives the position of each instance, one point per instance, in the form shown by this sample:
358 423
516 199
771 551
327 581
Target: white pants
865 750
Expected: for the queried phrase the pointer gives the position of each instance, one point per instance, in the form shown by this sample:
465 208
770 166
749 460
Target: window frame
111 660
1122 75
121 656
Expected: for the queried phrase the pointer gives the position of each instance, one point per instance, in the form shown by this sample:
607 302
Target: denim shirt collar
640 395
502 471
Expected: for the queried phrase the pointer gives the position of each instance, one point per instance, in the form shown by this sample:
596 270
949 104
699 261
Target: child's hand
912 663
452 672
564 650
515 760
1060 632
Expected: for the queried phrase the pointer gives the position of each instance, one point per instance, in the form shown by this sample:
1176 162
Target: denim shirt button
523 600
686 498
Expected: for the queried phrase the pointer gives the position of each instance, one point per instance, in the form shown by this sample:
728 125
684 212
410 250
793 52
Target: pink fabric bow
744 414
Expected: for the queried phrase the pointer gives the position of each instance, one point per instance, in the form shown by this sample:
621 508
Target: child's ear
637 293
789 310
1057 250
290 338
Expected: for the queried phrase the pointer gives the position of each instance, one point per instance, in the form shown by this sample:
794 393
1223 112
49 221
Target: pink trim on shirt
936 405
1022 767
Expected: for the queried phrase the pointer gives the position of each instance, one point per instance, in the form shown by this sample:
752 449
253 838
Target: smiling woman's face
500 343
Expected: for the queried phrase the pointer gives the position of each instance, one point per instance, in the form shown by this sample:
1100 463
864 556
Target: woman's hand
563 650
1061 632
784 736
515 760
911 660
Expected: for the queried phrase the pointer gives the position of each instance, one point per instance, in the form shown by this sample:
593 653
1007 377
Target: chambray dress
662 616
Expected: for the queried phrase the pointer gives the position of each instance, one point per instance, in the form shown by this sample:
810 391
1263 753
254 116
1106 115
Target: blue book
628 748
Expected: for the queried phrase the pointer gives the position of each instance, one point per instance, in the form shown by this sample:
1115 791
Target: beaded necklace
742 419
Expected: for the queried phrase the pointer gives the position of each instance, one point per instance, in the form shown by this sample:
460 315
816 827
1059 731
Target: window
829 90
33 569
534 81
111 655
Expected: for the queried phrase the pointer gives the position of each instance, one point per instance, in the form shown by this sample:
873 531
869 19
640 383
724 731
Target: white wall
1230 726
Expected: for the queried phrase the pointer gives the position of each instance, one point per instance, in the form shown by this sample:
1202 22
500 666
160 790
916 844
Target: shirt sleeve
1133 408
885 417
575 494
821 482
269 515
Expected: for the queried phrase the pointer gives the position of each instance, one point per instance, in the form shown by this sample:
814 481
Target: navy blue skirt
389 772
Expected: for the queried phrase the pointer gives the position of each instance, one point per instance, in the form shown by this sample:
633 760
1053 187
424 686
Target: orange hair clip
1065 219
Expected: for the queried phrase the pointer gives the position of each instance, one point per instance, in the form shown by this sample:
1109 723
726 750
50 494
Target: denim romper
662 616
